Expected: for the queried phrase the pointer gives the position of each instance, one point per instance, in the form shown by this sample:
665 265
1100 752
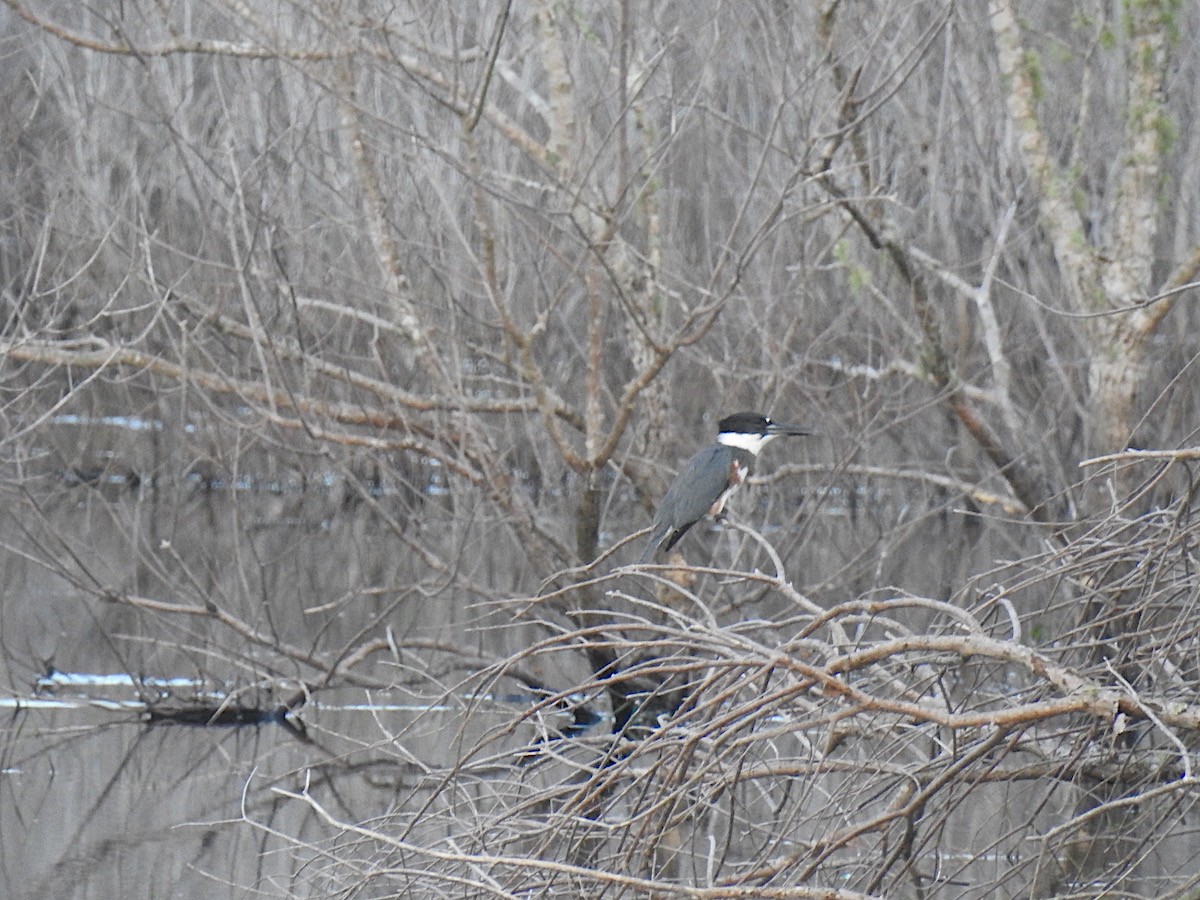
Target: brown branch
68 354
936 362
214 613
177 47
1134 455
385 390
1079 694
440 859
386 250
450 96
1009 504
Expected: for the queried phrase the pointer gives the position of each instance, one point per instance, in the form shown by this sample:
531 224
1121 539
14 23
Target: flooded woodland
348 350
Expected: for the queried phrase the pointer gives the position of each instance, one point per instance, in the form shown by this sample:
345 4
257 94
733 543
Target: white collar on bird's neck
751 442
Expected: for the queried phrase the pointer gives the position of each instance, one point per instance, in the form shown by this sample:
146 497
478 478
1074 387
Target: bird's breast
737 474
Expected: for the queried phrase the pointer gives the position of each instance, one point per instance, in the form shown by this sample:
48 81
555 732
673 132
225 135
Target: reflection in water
447 726
97 804
94 802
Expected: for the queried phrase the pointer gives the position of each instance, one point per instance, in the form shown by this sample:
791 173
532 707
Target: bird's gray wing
698 485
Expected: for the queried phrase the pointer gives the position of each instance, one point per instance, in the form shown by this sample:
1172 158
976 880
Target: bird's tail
655 540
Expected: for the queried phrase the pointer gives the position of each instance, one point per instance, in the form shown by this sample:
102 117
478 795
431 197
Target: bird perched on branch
712 475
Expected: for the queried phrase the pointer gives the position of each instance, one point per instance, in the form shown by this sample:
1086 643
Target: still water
98 801
255 688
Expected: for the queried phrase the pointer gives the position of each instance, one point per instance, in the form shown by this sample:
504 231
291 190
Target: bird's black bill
794 430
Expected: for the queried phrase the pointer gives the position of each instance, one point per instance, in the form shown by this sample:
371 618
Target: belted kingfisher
712 475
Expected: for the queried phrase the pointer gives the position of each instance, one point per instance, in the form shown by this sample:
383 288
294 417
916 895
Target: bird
705 483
